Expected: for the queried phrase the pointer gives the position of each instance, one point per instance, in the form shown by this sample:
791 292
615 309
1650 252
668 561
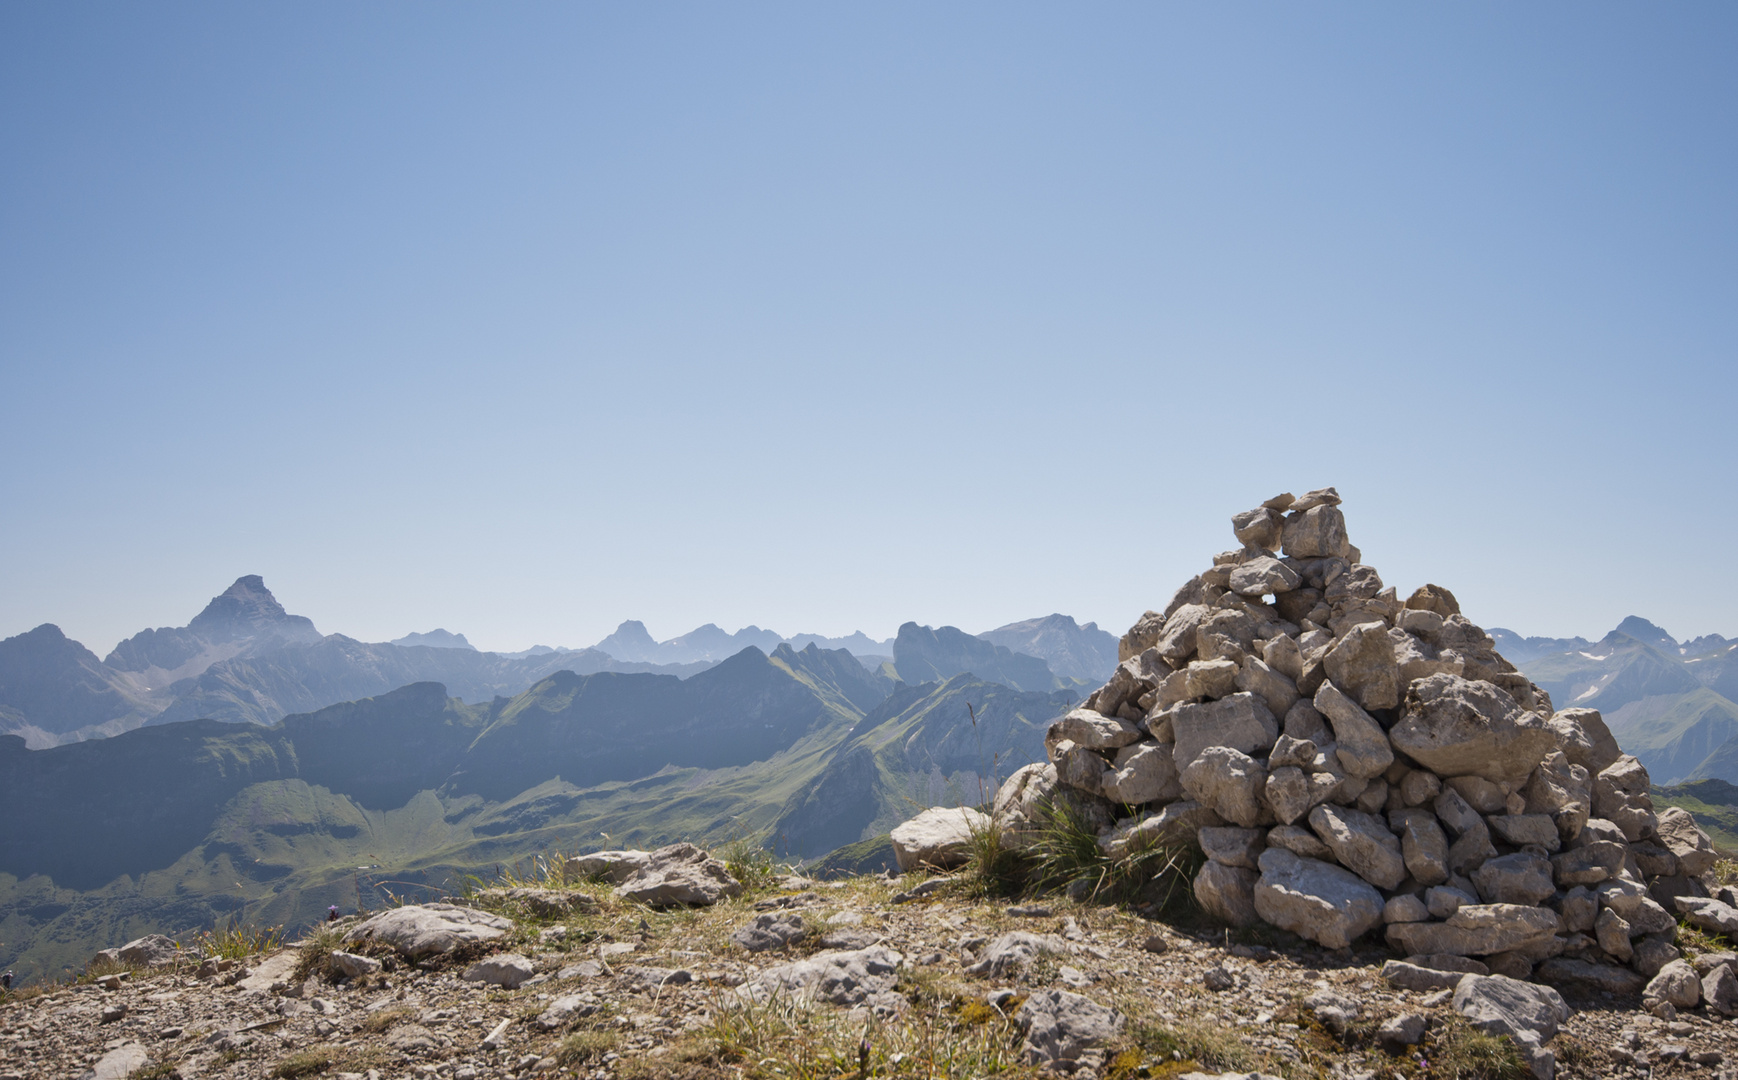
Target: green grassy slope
938 744
1714 805
1675 735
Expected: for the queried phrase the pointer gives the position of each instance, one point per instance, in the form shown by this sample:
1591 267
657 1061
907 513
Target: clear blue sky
525 319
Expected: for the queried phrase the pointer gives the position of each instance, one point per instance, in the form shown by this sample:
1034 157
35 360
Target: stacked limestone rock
1348 760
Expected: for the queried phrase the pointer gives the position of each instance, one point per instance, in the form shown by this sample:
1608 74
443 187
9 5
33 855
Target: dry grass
1726 871
1193 1043
584 1047
309 1062
232 940
383 1020
789 1040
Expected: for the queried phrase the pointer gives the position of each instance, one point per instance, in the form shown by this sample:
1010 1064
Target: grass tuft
231 940
309 1062
1458 1051
785 1038
1066 856
315 956
993 866
383 1020
748 862
584 1047
1202 1044
1695 941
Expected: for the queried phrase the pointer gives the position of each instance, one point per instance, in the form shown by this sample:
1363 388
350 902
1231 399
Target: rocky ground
867 977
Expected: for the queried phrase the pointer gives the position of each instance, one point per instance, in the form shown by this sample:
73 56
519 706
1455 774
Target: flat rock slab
118 1063
273 969
419 930
568 1008
1062 1026
849 939
614 867
506 969
656 978
1414 977
837 978
353 966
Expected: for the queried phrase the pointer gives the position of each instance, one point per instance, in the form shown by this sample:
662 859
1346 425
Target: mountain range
248 766
177 825
1674 705
245 658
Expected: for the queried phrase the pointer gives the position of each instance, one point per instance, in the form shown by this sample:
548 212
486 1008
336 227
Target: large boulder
1423 846
1681 836
152 950
1528 1014
1263 574
418 930
1143 773
1362 745
1454 726
680 874
1240 722
1584 739
1620 796
1093 730
1327 904
1314 533
1514 879
1361 843
1230 782
939 838
1227 893
1363 663
1481 930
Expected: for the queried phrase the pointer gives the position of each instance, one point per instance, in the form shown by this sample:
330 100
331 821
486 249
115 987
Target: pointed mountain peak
246 609
630 642
1640 629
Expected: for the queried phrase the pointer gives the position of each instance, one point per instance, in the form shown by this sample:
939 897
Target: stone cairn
1348 762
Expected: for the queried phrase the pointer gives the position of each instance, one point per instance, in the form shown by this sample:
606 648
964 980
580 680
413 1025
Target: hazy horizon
524 321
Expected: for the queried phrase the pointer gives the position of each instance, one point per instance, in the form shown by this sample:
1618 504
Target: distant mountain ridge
709 643
799 748
1071 650
922 654
1674 705
438 638
245 658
